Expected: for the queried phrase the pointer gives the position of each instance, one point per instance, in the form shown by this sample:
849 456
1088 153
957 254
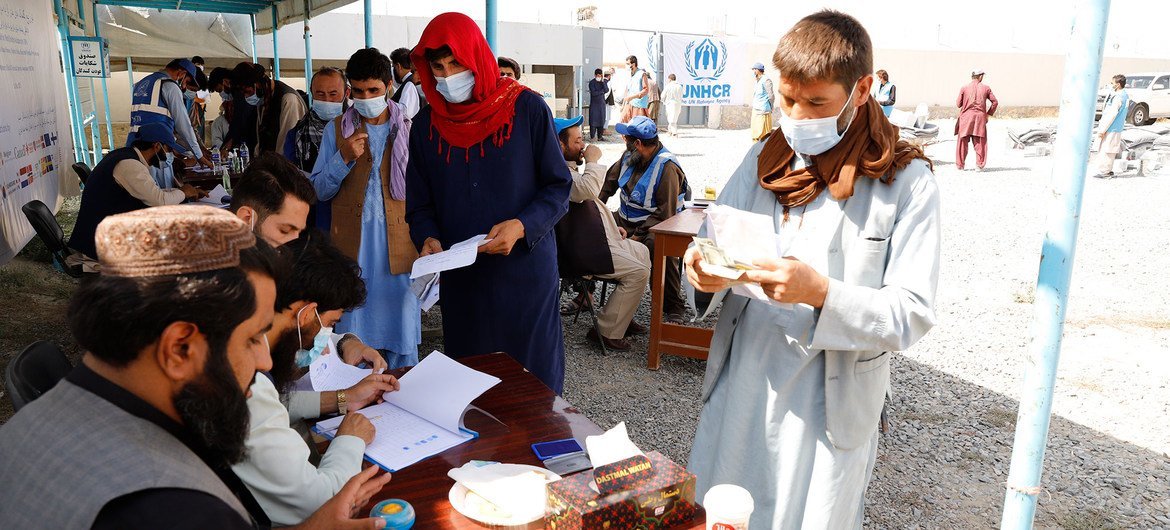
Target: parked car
1149 97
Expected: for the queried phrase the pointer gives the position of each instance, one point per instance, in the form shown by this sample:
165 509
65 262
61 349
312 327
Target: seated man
142 433
274 199
652 187
278 471
121 183
631 259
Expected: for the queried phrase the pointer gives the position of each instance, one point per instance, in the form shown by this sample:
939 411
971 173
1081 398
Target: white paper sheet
439 389
745 236
460 255
215 196
426 289
401 438
329 373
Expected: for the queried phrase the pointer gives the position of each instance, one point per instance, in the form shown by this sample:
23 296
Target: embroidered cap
171 240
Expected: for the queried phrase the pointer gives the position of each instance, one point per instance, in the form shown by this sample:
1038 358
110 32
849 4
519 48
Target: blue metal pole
97 30
130 73
253 19
490 24
1078 95
275 48
308 56
70 82
367 9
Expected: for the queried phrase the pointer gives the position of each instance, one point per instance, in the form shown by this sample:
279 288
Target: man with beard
323 283
484 159
278 106
631 259
142 433
652 186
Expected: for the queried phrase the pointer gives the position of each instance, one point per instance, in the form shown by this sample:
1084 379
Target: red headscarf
492 106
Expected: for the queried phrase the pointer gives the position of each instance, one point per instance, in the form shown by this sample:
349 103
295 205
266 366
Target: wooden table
671 239
530 413
204 181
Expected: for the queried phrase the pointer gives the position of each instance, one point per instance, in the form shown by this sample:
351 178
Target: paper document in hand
426 289
215 197
460 254
329 373
424 417
716 261
744 237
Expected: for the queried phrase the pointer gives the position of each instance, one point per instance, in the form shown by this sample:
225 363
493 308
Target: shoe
676 313
574 306
635 329
610 344
1108 175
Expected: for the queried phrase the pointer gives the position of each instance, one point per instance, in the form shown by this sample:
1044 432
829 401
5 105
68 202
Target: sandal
574 306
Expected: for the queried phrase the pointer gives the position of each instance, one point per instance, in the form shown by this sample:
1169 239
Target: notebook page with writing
401 438
439 389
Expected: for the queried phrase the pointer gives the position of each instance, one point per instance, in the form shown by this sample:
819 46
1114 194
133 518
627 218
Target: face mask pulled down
456 88
814 136
322 342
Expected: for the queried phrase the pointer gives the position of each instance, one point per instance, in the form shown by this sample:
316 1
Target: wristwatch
342 408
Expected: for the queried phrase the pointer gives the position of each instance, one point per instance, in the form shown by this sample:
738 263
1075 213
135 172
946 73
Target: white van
1149 97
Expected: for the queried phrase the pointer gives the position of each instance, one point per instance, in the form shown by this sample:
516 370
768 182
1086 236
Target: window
1162 83
1138 82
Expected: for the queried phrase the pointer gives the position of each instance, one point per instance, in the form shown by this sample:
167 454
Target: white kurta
764 425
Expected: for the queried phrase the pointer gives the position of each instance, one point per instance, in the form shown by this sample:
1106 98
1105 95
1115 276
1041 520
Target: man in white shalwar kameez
793 393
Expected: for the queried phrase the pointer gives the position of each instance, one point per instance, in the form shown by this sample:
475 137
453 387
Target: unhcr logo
705 60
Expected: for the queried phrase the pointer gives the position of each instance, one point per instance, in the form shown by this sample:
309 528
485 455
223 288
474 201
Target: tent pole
130 73
1082 68
490 24
275 48
97 29
369 21
253 19
308 56
70 82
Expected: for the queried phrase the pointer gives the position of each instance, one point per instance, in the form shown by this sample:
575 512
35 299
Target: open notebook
424 417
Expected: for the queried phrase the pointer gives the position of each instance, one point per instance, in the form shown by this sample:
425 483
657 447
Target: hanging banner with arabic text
712 70
34 119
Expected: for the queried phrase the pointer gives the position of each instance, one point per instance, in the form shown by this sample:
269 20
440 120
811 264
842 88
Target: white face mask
815 136
456 88
370 108
322 342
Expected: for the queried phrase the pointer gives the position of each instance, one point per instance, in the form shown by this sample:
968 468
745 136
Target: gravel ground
945 463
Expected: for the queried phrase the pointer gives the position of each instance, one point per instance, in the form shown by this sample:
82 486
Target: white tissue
610 447
517 491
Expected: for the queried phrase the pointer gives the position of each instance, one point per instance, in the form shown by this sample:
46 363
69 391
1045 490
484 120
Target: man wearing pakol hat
763 98
121 183
652 186
159 98
976 103
142 433
631 259
795 382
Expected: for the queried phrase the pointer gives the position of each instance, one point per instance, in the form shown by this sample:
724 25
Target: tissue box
664 500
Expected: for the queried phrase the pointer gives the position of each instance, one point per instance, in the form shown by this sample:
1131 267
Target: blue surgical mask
320 341
370 108
327 110
170 158
254 100
190 95
225 95
812 137
456 88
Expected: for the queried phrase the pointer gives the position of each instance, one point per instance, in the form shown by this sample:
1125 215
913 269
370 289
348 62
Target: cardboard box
664 499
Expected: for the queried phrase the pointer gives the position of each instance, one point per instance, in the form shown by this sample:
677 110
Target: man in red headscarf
484 159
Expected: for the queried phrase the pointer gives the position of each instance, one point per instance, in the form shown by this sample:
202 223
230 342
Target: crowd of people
200 320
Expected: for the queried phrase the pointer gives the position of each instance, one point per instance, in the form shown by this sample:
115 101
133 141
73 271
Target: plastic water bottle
245 157
215 160
227 179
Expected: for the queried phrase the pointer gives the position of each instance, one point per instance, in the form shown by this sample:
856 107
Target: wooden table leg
657 289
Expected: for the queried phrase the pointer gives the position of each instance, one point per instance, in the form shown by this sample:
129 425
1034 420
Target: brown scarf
870 148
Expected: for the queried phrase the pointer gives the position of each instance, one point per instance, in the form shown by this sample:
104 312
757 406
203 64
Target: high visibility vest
641 202
147 105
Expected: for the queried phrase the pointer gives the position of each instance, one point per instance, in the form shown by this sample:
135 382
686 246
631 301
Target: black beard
215 410
637 161
284 366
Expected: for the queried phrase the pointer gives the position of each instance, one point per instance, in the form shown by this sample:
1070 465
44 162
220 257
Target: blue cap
640 127
157 132
758 66
564 123
189 66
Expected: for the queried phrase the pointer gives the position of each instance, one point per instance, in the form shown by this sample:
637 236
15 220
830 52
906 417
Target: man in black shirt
142 434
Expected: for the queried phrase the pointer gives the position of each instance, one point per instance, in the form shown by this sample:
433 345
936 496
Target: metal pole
130 74
275 48
308 56
97 29
1078 95
490 24
253 19
369 21
71 89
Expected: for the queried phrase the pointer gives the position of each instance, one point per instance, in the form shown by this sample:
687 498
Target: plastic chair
47 228
34 371
82 171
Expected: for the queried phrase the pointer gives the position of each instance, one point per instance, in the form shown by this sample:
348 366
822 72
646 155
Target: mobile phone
547 450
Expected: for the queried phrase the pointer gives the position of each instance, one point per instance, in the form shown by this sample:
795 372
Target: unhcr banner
34 119
712 70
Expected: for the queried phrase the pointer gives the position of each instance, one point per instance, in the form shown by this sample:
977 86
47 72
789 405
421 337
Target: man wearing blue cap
630 259
158 98
651 185
121 182
762 99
